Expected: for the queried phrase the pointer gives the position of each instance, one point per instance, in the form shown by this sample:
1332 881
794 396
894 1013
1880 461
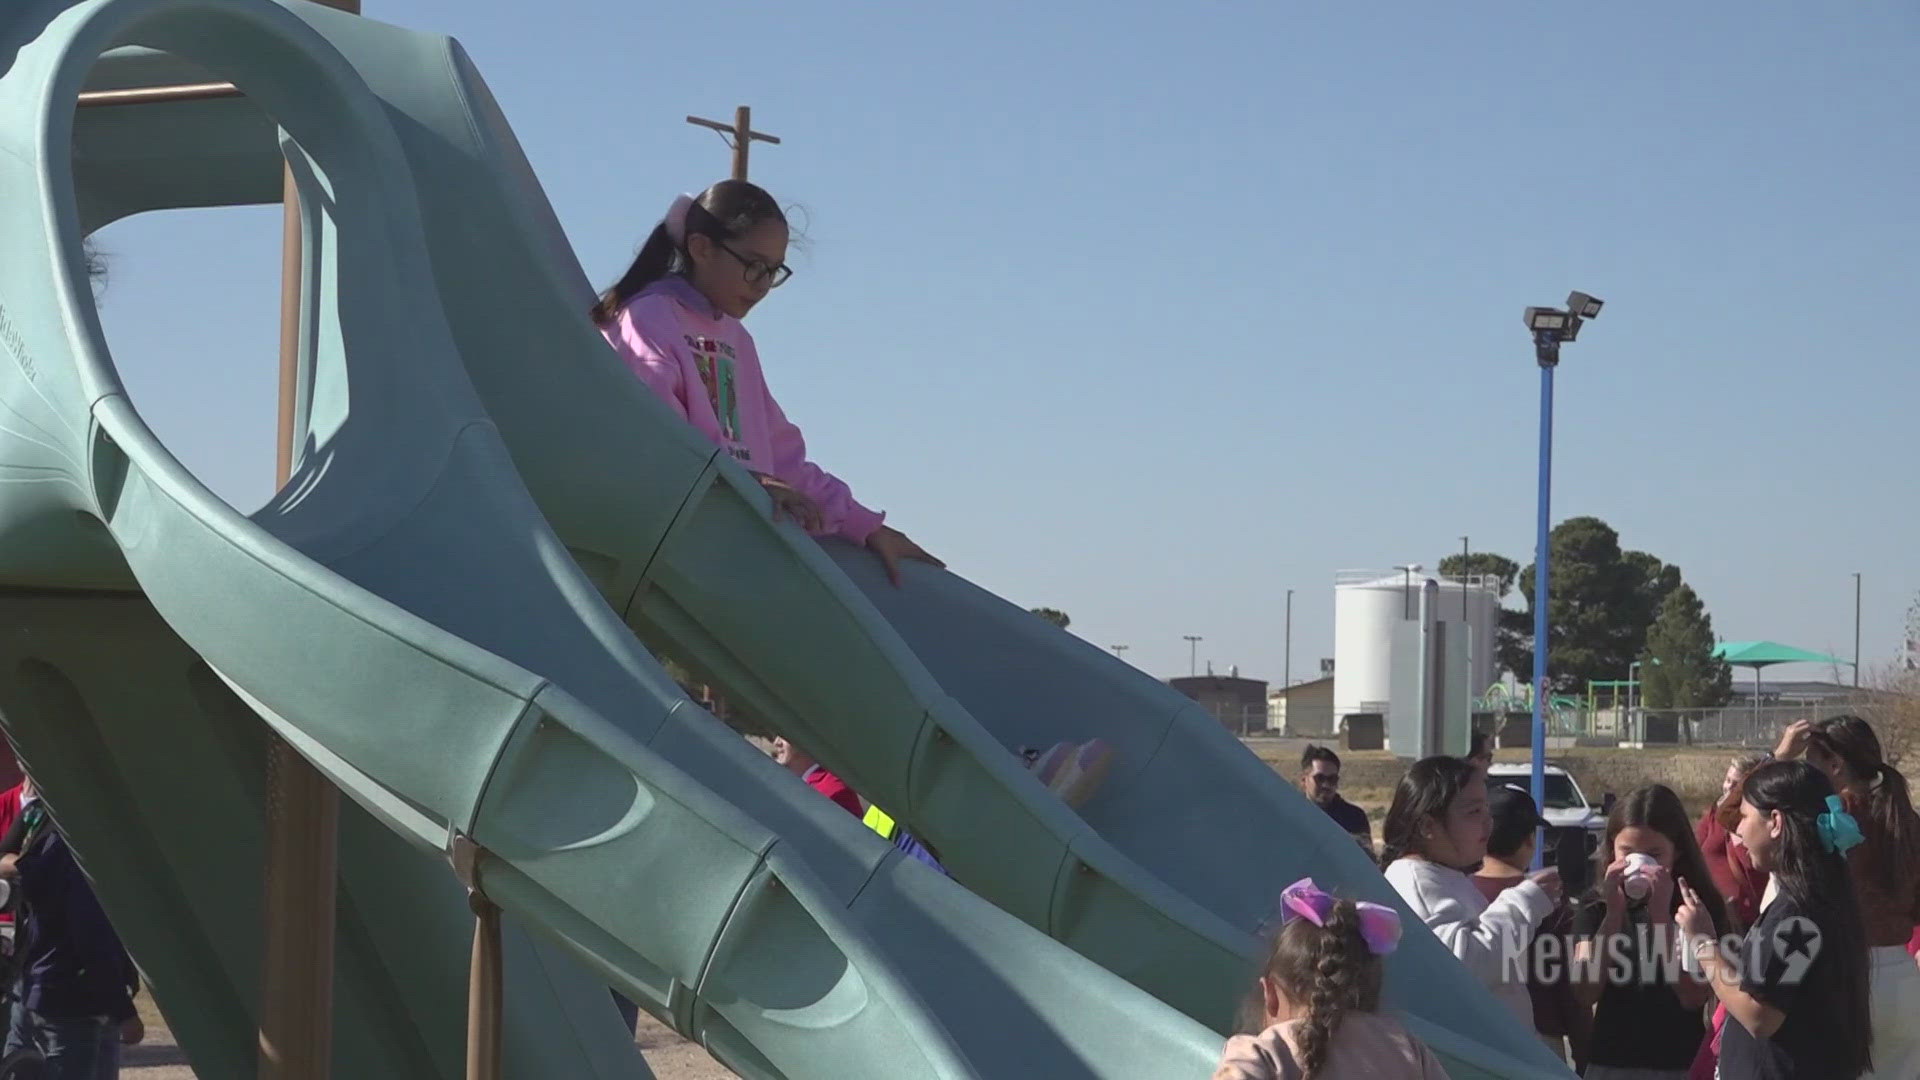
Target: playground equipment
444 608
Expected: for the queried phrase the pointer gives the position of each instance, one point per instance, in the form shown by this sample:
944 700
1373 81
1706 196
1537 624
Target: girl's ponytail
654 262
1891 856
1339 986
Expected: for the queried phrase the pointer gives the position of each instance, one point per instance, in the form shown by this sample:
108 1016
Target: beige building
1303 709
1239 704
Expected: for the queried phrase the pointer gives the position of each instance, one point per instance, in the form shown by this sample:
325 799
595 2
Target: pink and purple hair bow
1379 924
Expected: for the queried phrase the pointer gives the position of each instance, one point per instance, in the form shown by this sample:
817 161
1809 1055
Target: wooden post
486 972
303 807
739 135
485 993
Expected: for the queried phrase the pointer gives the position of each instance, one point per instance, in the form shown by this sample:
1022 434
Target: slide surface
403 615
441 612
918 696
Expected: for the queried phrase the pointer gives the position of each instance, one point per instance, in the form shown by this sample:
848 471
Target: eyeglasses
759 270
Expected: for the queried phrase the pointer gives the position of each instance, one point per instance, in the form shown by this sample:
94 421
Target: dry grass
1895 716
1369 776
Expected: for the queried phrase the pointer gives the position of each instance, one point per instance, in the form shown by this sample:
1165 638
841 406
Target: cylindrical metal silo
1367 604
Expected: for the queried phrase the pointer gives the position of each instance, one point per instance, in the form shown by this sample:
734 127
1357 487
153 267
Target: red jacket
1733 873
9 806
9 811
836 789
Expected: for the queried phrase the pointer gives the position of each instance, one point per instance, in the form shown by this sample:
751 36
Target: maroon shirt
1733 872
836 789
1556 1011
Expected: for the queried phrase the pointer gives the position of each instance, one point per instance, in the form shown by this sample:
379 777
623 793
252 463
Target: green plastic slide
445 610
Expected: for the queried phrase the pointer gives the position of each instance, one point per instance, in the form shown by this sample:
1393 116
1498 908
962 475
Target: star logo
1797 941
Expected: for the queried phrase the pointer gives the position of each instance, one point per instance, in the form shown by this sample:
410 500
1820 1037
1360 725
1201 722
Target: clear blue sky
1152 312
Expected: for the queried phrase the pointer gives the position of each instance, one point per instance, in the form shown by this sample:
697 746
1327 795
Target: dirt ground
670 1056
1368 776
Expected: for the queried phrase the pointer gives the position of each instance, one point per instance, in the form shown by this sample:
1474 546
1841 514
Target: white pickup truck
1566 806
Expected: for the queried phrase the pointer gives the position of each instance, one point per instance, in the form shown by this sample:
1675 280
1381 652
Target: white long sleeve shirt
1490 939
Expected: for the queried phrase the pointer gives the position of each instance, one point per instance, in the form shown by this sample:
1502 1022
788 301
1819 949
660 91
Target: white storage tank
1367 604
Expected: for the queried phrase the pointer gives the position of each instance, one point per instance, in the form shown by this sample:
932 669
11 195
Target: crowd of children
1773 938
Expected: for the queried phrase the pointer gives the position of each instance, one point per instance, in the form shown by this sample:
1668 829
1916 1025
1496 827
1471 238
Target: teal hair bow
1838 831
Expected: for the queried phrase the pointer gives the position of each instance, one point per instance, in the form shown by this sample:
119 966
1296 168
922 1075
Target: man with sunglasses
1320 781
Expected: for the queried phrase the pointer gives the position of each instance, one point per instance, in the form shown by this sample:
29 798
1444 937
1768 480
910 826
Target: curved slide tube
916 696
403 615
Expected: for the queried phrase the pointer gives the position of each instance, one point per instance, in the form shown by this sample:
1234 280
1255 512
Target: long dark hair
1816 880
1331 971
1427 790
1891 856
1656 807
725 211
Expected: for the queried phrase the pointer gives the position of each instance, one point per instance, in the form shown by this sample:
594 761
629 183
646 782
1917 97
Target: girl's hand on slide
793 503
892 545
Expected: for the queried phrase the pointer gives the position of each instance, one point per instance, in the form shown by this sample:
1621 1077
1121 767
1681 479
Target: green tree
1053 615
1678 669
1501 569
1512 630
1603 600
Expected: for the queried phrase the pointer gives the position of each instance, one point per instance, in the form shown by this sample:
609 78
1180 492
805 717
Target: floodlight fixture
1583 306
1547 320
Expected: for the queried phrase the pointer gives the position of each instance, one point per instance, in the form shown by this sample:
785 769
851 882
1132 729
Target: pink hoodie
703 363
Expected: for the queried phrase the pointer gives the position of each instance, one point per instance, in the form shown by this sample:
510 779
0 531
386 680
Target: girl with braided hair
1316 1007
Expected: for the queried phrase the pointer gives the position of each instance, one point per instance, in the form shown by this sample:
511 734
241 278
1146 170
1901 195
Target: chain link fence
1735 726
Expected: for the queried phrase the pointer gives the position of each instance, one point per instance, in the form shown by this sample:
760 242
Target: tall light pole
1193 653
1120 650
1856 628
1550 328
1286 669
1466 556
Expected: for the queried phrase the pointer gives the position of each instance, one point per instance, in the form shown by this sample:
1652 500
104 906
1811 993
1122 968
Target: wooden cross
739 135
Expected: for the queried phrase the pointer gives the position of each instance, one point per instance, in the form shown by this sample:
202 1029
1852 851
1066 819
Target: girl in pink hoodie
674 317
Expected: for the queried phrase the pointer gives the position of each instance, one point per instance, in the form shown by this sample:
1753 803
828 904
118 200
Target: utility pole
1120 650
1193 653
1286 670
739 135
1856 628
1466 556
